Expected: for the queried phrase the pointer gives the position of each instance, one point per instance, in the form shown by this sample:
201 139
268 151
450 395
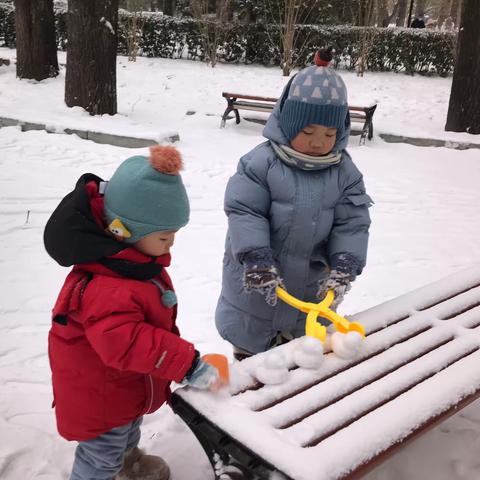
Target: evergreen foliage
391 49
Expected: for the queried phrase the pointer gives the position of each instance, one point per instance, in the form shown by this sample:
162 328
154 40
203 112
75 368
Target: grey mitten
261 274
338 282
344 269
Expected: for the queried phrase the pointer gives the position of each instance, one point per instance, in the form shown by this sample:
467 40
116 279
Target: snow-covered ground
155 94
424 227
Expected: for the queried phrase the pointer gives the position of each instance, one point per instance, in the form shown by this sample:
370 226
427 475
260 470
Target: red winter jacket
113 346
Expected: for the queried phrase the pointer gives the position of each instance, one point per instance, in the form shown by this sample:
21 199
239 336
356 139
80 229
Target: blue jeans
101 458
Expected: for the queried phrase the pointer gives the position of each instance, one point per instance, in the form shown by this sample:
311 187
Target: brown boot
139 466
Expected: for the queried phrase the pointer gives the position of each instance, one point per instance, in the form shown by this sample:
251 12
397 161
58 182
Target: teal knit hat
147 195
316 95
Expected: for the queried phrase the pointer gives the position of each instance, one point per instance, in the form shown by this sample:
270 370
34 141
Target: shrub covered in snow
7 24
387 49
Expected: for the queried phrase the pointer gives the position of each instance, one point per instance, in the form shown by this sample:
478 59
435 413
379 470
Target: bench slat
251 106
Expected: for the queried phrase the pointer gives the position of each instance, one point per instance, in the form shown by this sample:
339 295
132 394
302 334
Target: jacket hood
73 234
274 132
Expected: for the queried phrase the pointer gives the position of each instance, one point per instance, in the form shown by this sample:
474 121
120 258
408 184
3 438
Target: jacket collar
76 235
129 263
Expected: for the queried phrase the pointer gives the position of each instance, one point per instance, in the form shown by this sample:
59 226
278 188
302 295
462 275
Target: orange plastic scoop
221 363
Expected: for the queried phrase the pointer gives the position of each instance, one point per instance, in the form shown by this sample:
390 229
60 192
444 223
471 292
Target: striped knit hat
317 95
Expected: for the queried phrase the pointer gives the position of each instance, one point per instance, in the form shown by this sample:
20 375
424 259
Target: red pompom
324 57
166 159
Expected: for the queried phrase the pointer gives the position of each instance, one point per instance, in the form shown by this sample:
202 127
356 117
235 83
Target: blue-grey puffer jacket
305 217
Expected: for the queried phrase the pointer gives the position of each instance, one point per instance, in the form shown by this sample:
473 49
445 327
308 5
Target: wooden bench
419 366
4 61
236 102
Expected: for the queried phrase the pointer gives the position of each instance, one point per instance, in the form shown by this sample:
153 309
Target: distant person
114 346
297 216
418 22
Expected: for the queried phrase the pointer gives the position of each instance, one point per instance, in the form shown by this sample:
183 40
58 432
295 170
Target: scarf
292 158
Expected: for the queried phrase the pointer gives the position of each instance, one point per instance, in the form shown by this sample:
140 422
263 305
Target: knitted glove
338 282
202 375
260 274
344 269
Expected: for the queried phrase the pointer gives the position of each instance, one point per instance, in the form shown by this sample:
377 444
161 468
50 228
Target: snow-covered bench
420 364
236 102
4 61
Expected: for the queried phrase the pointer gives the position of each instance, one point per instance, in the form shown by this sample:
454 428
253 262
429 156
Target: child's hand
344 269
261 274
259 278
263 280
204 376
337 281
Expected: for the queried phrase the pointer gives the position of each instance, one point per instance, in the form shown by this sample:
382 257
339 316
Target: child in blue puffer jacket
297 216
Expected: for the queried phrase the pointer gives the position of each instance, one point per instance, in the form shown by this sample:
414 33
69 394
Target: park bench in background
236 102
419 366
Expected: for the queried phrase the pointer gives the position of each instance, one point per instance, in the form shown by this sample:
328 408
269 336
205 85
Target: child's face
156 243
315 140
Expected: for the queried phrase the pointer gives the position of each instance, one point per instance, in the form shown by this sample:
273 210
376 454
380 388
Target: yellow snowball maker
322 309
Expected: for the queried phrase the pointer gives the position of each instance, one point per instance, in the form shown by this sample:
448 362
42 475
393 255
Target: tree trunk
409 17
420 8
455 11
36 41
443 12
382 13
366 15
169 7
225 10
250 14
394 13
402 12
464 107
91 80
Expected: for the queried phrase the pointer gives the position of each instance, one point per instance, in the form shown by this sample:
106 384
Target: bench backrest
256 98
248 97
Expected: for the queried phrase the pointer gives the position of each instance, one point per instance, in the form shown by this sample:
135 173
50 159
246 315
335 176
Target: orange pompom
166 159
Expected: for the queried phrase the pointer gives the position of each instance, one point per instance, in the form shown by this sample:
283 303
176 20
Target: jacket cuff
346 263
195 361
258 258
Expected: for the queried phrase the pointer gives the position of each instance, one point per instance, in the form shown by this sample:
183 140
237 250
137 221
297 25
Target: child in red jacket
114 347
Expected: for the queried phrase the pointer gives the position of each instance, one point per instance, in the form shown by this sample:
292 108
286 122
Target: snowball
347 345
308 353
327 343
353 341
273 370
